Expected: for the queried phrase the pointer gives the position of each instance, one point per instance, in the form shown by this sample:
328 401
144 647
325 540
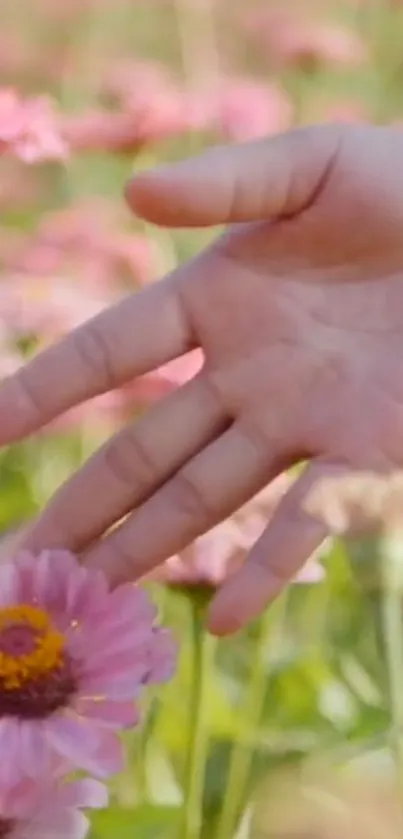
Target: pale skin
298 308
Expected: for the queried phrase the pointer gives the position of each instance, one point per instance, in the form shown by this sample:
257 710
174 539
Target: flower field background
90 91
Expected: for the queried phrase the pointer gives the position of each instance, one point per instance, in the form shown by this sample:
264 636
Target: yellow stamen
47 655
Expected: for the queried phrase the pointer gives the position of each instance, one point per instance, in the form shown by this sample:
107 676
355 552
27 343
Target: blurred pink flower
238 108
248 109
74 656
29 129
129 131
49 808
149 106
45 307
214 557
128 78
102 130
292 40
149 92
89 241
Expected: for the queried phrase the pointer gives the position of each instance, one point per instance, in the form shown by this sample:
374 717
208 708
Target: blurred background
90 91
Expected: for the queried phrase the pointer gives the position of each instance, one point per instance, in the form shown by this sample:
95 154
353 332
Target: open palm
298 309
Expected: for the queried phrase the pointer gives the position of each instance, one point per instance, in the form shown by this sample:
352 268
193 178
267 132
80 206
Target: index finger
137 335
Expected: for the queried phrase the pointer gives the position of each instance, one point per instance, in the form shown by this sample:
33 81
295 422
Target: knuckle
265 441
189 500
219 394
130 463
95 356
236 196
271 568
123 558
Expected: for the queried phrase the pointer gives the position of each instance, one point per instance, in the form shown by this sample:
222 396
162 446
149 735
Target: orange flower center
36 675
30 646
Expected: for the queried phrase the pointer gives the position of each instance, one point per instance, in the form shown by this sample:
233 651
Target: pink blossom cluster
28 128
295 38
89 240
75 658
134 103
151 106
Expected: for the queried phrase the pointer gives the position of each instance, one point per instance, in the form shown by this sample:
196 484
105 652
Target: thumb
274 177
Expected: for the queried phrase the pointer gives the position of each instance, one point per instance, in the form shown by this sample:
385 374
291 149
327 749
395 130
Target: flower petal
135 662
162 657
9 584
112 715
129 600
84 793
128 640
51 578
86 593
110 757
24 563
72 737
119 687
81 742
34 749
11 770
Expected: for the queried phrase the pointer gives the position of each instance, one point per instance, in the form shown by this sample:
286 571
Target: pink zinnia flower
28 128
73 657
248 109
102 130
49 808
46 307
89 241
294 40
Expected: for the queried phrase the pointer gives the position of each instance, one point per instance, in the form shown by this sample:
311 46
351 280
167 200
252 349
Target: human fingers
270 178
129 467
133 337
205 491
287 543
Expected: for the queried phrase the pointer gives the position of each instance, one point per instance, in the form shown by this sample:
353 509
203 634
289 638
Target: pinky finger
289 540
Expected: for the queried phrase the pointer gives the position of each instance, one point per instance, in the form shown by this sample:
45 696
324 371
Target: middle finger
129 467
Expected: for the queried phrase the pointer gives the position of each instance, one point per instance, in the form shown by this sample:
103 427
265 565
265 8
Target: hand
298 308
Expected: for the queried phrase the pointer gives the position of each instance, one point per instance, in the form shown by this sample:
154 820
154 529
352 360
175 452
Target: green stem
202 659
140 754
269 628
198 42
393 639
